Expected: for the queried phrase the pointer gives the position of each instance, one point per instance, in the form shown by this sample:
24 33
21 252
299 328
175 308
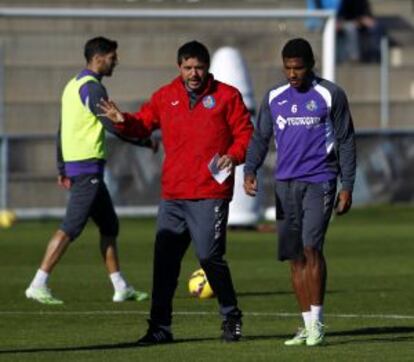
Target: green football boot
316 334
299 338
129 294
42 295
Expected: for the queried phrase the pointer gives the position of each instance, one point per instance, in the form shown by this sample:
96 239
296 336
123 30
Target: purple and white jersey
313 133
303 133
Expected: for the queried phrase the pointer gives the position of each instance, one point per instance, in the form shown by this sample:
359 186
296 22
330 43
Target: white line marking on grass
185 313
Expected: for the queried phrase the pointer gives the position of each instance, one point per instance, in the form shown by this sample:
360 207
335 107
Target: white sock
317 313
40 279
307 319
118 281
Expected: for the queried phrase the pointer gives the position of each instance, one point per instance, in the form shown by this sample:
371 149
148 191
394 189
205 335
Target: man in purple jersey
310 120
81 154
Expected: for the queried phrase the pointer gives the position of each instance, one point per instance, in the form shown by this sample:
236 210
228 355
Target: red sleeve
141 123
241 127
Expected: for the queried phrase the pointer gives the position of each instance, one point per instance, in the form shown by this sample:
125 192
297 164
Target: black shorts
303 211
89 197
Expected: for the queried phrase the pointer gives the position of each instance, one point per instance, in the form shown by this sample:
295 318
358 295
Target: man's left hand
225 161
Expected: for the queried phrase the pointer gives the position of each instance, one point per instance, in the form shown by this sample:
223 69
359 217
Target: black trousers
180 222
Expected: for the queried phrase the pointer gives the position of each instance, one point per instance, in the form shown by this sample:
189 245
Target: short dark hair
299 48
99 45
193 49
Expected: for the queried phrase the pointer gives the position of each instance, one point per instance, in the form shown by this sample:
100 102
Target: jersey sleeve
59 156
91 94
345 138
241 127
259 143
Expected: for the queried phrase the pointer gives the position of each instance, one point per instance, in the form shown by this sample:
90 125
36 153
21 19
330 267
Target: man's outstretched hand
111 111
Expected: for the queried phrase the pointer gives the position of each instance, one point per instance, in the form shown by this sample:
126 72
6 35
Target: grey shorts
303 211
89 197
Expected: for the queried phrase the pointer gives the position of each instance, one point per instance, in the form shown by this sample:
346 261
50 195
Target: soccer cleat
42 295
316 334
299 339
155 335
129 294
231 327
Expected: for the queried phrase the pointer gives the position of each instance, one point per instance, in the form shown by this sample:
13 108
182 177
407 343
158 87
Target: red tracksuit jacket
218 123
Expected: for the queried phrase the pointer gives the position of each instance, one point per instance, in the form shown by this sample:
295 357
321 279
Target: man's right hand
250 185
111 111
64 182
343 202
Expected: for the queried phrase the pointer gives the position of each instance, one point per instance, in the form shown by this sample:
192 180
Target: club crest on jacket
209 102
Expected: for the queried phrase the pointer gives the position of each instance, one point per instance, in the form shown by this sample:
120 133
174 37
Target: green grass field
369 304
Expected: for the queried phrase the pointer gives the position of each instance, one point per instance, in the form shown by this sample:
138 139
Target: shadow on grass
98 347
71 349
375 334
263 294
130 345
281 292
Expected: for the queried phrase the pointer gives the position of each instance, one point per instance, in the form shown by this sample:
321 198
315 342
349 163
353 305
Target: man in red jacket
203 122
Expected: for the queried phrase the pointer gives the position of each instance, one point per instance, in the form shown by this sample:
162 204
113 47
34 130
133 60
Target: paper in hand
219 175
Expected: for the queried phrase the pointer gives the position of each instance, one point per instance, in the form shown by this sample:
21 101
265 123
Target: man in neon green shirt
81 160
